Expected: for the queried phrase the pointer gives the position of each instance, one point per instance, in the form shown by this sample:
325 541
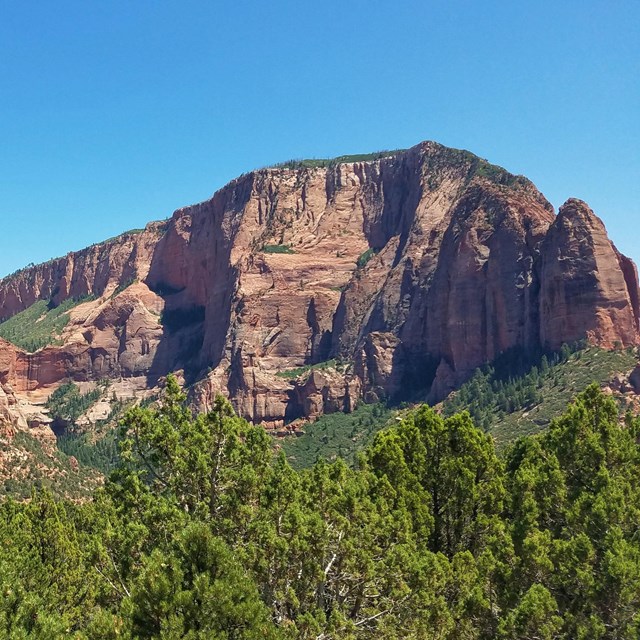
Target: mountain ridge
412 268
484 167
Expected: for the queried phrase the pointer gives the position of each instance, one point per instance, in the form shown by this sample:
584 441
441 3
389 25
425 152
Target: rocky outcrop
9 417
109 337
94 271
634 380
13 416
377 365
327 391
587 287
413 269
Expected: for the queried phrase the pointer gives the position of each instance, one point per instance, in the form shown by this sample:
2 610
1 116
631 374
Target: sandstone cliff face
10 417
13 416
588 288
414 269
105 338
92 271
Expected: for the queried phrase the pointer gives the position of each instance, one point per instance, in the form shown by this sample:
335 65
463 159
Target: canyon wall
407 271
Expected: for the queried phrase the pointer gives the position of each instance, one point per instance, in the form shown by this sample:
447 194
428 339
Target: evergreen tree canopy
205 531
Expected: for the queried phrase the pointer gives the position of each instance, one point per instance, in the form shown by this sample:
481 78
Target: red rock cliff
415 268
588 288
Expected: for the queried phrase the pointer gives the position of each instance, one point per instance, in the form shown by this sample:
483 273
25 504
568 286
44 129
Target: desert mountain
305 288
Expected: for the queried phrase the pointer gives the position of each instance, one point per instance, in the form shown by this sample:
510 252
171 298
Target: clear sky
116 113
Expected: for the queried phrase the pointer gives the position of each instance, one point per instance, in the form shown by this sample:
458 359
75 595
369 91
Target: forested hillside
204 532
514 396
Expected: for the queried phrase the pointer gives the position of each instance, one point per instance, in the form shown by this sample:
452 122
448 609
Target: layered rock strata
410 269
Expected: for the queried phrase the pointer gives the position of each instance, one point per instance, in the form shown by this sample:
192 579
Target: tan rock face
8 360
92 271
376 364
110 337
12 416
8 419
415 268
478 296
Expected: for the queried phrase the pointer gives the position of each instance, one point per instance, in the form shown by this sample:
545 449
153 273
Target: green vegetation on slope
508 400
39 325
277 248
512 406
484 169
299 371
35 466
479 166
337 435
123 286
97 449
497 174
313 163
68 404
365 257
204 533
97 452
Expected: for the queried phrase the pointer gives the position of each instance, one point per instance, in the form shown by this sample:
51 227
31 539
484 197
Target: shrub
365 257
277 248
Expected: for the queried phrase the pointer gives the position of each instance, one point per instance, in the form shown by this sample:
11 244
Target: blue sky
116 113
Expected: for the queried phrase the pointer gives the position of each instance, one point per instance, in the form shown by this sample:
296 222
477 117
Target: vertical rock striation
415 268
588 288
